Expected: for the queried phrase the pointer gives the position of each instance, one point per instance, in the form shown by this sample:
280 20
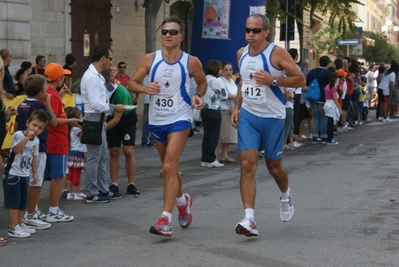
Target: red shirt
349 90
122 79
57 140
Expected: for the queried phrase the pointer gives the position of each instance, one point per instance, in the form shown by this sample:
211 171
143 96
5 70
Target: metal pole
347 50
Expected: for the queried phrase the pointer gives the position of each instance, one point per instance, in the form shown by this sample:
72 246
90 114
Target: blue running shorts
160 132
253 129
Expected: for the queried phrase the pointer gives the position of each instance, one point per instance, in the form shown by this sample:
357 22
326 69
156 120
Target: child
20 166
289 119
364 111
331 108
341 90
35 88
76 158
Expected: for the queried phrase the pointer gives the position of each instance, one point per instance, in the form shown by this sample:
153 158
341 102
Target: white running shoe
246 227
215 164
27 229
36 223
70 196
79 197
17 232
286 208
380 118
58 217
296 144
387 120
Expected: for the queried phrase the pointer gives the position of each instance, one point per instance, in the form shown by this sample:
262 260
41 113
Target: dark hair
354 68
265 24
174 19
213 67
24 66
73 112
34 84
120 63
70 59
38 114
38 58
394 68
332 77
293 52
99 52
4 53
371 66
381 69
226 63
338 63
324 61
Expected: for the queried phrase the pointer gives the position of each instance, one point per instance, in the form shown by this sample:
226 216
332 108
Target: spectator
95 94
40 64
8 82
70 63
20 76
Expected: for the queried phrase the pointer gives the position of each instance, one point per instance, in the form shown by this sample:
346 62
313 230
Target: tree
341 15
382 51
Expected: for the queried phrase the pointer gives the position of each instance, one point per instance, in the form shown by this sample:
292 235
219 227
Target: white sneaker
27 229
246 227
286 208
310 136
17 232
296 144
39 215
70 196
79 197
380 118
203 164
304 137
215 164
36 223
386 120
58 217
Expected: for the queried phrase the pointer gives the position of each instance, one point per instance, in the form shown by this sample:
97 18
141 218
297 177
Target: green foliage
382 51
324 41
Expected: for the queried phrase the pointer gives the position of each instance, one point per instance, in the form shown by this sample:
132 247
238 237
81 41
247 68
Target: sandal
3 240
228 160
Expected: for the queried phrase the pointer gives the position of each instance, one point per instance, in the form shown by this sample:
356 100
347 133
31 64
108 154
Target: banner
68 101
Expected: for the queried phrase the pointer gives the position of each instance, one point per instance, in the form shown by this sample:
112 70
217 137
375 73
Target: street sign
357 50
348 42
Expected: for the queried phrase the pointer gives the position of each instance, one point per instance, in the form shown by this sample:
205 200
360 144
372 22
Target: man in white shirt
95 94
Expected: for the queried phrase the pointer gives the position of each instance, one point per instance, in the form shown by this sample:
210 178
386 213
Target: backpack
313 93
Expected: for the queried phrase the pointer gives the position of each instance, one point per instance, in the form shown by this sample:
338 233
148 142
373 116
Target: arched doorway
184 10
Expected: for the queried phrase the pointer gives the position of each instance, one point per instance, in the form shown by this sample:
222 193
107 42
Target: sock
285 195
116 184
167 214
53 210
181 200
37 208
29 216
250 214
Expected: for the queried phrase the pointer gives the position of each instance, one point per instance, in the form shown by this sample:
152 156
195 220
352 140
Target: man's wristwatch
274 82
200 96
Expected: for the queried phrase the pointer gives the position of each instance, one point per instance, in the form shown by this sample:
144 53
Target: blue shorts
55 166
160 132
15 192
252 130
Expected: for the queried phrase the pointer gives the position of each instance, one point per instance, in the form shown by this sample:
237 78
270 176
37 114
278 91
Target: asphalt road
346 213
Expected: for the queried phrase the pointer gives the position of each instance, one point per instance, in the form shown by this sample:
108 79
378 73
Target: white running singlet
259 99
173 102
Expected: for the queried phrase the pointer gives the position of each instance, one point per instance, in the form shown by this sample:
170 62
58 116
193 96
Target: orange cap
341 73
54 71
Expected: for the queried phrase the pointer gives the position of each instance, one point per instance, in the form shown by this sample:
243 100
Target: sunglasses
110 58
254 30
171 32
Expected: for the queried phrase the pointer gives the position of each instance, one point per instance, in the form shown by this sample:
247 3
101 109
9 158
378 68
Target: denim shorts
15 192
160 132
252 130
55 166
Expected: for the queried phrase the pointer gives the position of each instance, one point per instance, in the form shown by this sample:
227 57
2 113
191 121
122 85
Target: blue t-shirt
25 109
